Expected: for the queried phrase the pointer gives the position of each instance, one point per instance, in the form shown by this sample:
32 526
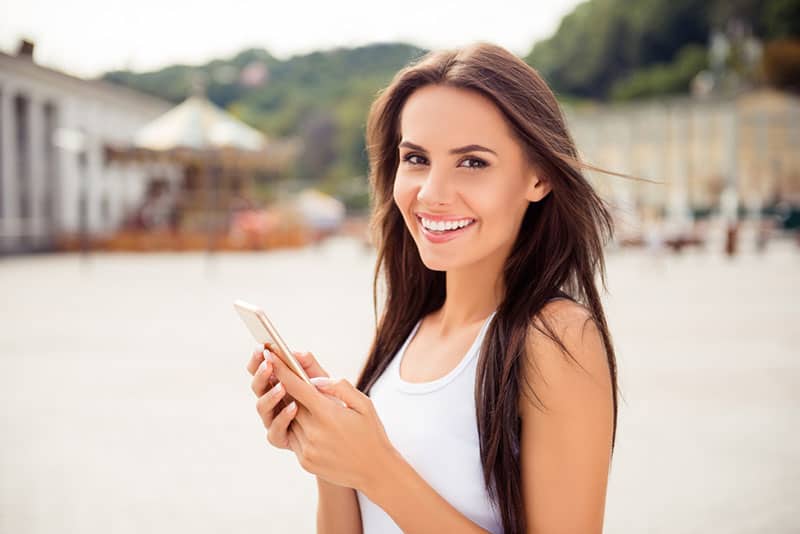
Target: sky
89 37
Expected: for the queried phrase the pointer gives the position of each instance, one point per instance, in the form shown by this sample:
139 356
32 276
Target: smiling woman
488 401
483 213
446 186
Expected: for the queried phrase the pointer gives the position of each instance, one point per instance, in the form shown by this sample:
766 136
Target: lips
440 217
444 235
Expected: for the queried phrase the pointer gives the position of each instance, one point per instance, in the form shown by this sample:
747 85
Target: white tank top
434 426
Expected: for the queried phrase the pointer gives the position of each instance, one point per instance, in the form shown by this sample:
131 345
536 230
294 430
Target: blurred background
159 160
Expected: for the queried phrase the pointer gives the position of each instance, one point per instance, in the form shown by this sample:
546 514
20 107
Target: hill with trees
622 50
602 50
322 98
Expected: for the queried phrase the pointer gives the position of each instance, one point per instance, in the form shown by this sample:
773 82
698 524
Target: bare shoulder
565 349
567 421
565 314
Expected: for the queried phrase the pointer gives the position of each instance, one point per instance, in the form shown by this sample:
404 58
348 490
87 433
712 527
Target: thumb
310 364
344 391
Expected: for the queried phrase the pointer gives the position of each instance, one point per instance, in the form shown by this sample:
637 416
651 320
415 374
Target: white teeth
441 226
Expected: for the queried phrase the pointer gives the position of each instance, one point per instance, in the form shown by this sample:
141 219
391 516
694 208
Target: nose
436 189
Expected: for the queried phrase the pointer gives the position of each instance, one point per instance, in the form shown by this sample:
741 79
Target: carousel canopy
198 124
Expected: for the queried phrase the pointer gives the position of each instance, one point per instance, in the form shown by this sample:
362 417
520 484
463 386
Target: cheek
500 208
404 193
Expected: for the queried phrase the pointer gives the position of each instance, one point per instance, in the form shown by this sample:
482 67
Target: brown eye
477 163
409 157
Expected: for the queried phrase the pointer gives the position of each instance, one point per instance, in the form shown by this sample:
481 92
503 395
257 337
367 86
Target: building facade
719 156
55 179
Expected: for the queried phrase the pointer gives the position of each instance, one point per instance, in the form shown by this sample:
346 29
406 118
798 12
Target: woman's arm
412 503
566 446
348 446
337 509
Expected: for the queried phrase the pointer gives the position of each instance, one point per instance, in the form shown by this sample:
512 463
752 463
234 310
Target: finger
256 358
294 443
306 394
277 430
297 427
297 433
346 392
310 364
319 380
260 383
302 418
266 403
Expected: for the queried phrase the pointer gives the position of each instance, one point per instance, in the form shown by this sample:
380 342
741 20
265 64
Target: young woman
488 401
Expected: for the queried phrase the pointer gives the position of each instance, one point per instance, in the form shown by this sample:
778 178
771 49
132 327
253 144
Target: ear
538 187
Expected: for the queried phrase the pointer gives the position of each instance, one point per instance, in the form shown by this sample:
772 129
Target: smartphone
265 332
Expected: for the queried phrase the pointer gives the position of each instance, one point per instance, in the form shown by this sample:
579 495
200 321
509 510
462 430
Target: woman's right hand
271 405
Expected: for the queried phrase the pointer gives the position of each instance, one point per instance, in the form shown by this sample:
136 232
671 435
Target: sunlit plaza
127 408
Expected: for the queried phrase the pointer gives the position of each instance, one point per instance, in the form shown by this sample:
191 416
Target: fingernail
276 389
262 366
258 348
268 356
292 406
321 381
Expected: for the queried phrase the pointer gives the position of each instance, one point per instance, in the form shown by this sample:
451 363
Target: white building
705 154
53 169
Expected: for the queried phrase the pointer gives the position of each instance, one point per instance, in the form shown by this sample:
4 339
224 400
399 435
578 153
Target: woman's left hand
343 445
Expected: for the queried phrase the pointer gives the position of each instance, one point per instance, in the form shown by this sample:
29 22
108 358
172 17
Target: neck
472 293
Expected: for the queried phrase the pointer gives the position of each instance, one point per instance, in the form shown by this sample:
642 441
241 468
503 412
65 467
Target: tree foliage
620 49
603 49
322 98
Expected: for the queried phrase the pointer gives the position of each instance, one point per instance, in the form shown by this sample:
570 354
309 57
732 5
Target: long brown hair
558 251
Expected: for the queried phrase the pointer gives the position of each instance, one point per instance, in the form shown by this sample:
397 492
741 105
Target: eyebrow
460 150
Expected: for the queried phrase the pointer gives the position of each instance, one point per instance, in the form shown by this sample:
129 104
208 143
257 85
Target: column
69 172
730 195
680 213
10 196
52 175
36 158
95 183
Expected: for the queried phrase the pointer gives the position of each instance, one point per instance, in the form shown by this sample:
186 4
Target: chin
437 265
442 261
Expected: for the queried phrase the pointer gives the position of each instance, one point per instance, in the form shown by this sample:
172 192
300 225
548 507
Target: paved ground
126 406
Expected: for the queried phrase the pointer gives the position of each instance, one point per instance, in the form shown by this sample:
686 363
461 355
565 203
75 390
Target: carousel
212 205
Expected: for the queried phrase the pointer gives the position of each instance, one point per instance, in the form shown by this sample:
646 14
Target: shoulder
565 350
565 314
566 411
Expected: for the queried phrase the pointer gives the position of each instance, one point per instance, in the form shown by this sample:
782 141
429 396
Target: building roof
25 67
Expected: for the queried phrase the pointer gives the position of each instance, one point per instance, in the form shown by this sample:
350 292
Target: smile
440 231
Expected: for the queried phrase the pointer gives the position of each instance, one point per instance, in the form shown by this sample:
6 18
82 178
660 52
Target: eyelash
482 163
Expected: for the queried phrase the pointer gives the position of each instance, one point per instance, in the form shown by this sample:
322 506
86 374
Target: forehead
437 116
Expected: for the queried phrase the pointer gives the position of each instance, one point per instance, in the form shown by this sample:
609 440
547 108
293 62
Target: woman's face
463 182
